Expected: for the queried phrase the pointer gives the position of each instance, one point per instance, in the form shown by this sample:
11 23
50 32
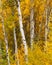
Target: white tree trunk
46 24
16 49
6 41
31 25
46 31
21 29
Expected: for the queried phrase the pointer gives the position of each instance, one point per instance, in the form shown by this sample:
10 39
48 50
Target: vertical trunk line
6 42
31 25
46 25
21 30
16 49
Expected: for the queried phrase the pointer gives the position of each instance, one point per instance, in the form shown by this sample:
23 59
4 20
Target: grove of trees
25 32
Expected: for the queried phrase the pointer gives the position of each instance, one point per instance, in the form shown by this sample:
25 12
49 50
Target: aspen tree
31 24
15 40
5 36
46 23
16 48
22 30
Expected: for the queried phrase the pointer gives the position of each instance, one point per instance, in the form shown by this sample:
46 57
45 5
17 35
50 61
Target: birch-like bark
6 42
21 29
46 24
31 25
5 37
15 41
16 49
